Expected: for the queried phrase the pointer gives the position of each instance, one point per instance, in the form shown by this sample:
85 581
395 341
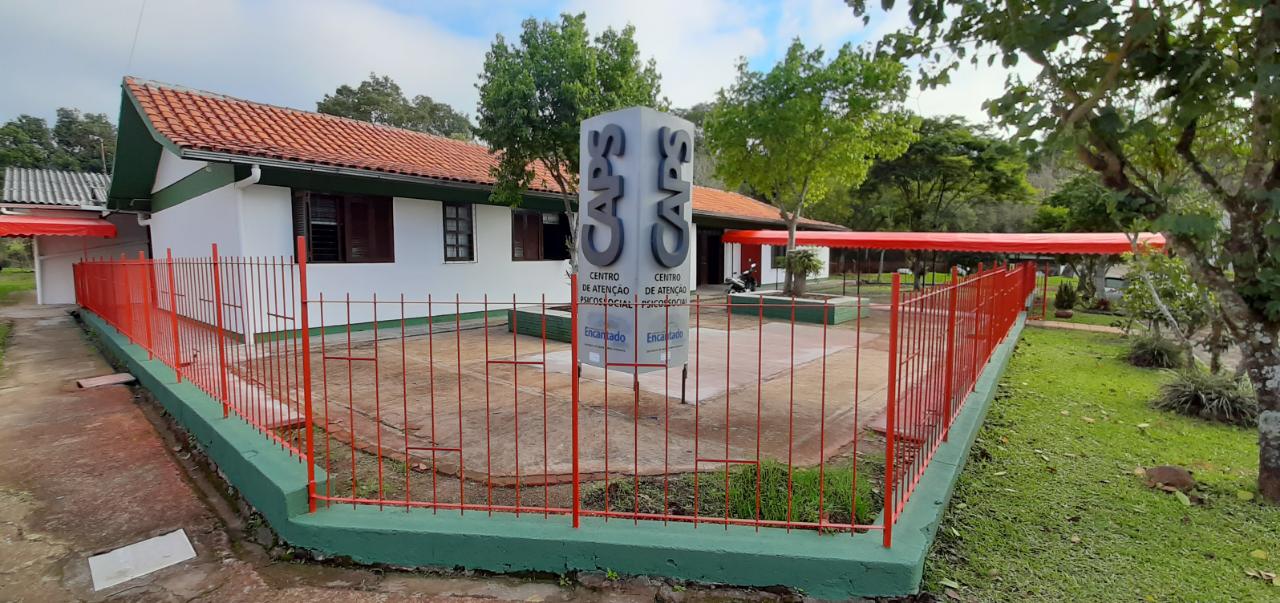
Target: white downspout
255 174
249 303
35 262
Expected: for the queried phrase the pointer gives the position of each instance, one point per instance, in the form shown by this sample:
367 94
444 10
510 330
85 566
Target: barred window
459 233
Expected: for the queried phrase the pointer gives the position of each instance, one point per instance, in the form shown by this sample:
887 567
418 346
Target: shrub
804 263
1066 297
678 494
1153 351
1212 396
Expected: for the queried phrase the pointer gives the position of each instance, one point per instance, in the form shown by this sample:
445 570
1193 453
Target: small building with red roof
384 209
64 213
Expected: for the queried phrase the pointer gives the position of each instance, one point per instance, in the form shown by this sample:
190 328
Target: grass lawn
13 281
1049 507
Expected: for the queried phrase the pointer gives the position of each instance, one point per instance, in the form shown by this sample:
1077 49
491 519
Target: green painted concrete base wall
824 566
528 321
810 311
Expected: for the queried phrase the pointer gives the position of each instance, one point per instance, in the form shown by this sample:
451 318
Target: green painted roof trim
315 180
208 178
138 148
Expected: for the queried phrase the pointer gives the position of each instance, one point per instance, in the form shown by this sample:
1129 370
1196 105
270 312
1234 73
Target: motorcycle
744 283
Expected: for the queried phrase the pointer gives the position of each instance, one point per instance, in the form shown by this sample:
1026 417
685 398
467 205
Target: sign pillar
635 238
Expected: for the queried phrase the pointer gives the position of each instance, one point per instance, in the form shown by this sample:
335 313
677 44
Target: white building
386 211
66 216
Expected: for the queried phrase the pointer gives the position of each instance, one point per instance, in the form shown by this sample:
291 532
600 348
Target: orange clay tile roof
205 121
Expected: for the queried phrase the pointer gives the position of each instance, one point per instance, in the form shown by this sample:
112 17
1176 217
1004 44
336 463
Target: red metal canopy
1102 243
26 226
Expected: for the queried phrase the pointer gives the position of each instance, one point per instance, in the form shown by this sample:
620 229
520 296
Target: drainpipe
250 305
255 174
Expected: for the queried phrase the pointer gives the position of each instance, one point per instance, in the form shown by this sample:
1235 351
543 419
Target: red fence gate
456 405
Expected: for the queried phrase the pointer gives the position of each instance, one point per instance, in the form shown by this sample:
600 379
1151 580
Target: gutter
217 157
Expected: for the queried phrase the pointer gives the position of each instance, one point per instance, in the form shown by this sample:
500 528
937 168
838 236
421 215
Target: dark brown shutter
368 229
383 230
526 235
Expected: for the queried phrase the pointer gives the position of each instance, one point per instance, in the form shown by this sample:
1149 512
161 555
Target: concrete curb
824 566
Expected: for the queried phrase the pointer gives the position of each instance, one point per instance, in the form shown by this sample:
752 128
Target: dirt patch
478 402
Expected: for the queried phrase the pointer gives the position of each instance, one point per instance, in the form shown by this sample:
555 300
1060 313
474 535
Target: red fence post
222 344
305 327
890 413
949 385
127 319
1044 294
147 267
573 362
173 316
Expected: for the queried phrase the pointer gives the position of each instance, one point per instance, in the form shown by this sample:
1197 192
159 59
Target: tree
1081 204
379 100
1162 293
85 143
946 173
948 165
807 125
704 169
26 142
77 142
1131 87
535 94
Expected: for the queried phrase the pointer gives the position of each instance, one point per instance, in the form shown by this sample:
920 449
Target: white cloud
826 23
831 23
287 52
291 52
696 43
970 86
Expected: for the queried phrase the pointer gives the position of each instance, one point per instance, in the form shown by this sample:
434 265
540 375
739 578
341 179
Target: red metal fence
483 405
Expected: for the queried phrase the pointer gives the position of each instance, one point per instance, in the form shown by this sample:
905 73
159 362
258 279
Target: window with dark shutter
344 228
555 236
539 236
459 233
526 235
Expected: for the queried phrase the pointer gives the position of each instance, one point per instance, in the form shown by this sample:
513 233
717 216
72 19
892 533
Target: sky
73 53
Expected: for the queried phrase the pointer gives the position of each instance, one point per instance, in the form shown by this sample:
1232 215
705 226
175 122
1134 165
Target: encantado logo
659 338
594 333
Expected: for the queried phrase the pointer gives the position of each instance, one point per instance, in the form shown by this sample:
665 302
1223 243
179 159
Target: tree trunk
788 285
798 285
572 216
1217 343
1262 364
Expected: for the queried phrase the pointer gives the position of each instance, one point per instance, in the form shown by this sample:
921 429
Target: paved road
86 471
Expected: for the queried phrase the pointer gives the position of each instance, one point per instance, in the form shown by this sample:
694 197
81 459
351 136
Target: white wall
190 227
55 255
769 273
173 168
419 268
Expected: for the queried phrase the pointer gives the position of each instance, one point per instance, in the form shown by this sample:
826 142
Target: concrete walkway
86 471
1074 326
83 472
